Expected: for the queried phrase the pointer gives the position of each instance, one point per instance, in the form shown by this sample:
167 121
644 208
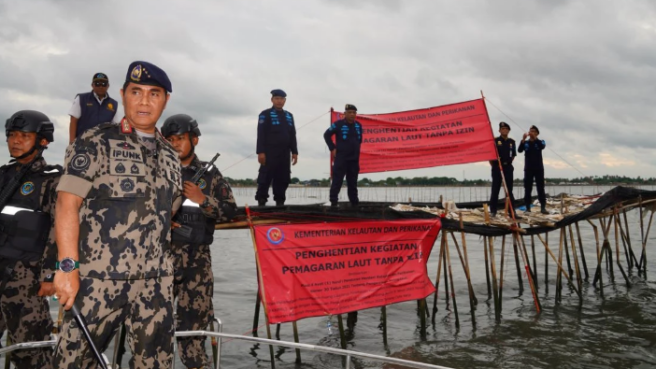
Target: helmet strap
36 146
191 152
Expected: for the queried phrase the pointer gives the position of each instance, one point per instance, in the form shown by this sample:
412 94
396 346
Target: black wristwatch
67 265
205 203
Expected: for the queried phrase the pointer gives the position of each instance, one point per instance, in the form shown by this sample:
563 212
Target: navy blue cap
350 107
144 73
100 76
278 92
504 125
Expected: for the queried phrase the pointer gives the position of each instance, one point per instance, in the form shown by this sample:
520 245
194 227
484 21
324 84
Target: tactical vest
24 228
191 215
94 113
280 130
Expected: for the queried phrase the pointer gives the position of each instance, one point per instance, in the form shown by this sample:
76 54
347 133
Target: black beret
350 107
100 76
504 125
144 73
535 128
278 92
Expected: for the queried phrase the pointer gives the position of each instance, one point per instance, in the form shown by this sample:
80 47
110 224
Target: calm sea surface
617 331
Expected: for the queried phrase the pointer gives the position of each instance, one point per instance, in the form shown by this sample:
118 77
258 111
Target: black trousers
497 184
277 171
529 176
350 168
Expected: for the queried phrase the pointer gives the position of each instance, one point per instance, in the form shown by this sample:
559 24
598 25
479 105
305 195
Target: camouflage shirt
219 194
46 177
130 194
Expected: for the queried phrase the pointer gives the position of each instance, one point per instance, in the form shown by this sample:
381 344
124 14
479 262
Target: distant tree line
450 181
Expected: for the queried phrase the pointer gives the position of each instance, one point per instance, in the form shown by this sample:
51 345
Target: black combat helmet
179 124
31 121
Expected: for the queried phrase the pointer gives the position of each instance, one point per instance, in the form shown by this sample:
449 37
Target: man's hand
66 287
46 289
261 158
175 225
193 192
333 153
294 159
524 137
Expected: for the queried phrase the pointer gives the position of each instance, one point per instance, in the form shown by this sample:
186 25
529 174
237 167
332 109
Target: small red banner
444 135
332 268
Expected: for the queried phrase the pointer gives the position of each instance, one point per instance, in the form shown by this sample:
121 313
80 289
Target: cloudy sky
582 71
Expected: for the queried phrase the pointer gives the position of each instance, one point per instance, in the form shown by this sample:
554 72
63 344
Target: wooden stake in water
576 265
617 248
437 279
453 289
497 306
583 261
259 275
298 351
471 290
600 256
503 257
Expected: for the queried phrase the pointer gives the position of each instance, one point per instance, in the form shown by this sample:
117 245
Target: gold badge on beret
136 73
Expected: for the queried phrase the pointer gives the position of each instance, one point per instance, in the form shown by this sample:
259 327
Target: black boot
543 209
261 202
280 203
333 205
528 208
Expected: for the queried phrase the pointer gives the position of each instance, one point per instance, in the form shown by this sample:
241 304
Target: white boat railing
219 335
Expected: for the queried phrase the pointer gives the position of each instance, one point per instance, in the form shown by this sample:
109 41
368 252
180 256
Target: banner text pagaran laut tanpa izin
444 135
332 268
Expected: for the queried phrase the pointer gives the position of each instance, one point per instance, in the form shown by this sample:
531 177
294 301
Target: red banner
332 268
444 135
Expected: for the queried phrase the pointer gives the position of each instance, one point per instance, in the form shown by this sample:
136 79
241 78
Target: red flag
332 268
444 135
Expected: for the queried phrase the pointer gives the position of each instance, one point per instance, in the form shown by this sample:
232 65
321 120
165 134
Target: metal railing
220 336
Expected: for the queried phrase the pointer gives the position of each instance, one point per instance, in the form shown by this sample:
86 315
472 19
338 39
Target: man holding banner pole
506 151
345 153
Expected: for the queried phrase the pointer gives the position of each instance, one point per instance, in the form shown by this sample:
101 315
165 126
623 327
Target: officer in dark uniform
533 167
507 151
204 204
27 237
346 154
276 138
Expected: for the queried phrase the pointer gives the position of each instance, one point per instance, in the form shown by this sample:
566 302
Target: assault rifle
185 230
201 172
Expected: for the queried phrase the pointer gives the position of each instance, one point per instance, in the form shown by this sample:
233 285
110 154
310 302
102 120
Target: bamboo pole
503 256
497 307
437 278
643 256
559 284
259 274
383 311
535 262
298 351
583 261
487 269
617 248
464 250
469 286
600 255
453 289
446 276
546 261
519 271
633 259
576 265
529 273
560 266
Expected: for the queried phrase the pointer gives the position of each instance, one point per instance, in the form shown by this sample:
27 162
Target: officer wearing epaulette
121 187
204 204
27 238
92 108
533 167
346 154
276 138
507 151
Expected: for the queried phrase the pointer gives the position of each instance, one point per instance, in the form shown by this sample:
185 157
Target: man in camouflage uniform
120 189
27 238
203 204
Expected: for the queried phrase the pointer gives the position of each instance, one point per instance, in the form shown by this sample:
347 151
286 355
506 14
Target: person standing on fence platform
204 204
507 151
121 187
89 109
276 139
533 167
27 237
346 154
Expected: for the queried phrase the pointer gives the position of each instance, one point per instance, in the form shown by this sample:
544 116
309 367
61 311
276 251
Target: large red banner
444 135
332 268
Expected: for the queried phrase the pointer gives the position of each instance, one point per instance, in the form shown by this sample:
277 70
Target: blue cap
144 73
99 76
350 107
278 92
